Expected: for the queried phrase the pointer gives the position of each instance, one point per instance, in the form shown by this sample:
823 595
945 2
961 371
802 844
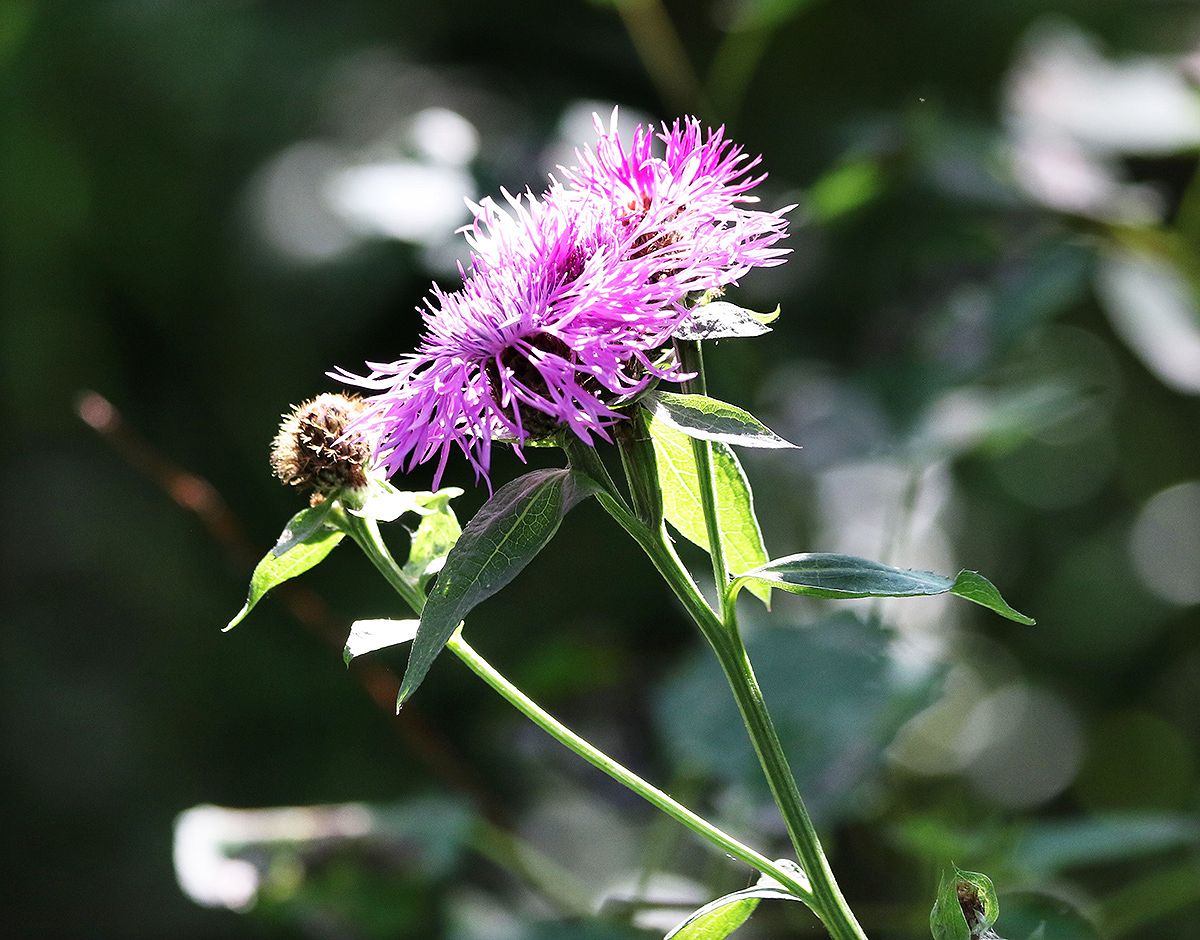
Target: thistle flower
691 202
570 300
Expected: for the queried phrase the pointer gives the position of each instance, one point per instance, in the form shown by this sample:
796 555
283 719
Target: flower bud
313 451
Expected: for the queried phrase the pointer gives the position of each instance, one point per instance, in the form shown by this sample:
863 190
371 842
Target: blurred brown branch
199 497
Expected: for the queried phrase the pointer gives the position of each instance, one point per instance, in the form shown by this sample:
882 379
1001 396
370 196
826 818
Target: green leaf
1036 915
304 544
741 537
965 907
436 534
711 420
720 319
367 636
821 574
720 918
305 523
504 537
385 503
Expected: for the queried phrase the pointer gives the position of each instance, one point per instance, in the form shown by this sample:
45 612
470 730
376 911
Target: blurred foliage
989 350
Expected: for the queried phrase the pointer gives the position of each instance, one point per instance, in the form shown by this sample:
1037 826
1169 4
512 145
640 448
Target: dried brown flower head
312 450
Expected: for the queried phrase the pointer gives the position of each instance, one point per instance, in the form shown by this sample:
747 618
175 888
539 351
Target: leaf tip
237 618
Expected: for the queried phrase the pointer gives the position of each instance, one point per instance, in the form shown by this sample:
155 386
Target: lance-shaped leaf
720 918
680 485
711 420
720 319
304 543
504 537
367 636
435 535
966 906
820 574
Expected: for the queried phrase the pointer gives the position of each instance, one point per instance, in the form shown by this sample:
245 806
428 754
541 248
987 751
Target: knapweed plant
580 324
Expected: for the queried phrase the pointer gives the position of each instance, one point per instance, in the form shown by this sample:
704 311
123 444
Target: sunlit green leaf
367 636
720 918
436 534
720 319
821 574
504 537
384 503
711 420
304 543
740 534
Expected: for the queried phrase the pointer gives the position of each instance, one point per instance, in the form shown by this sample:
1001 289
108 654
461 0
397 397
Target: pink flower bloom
569 300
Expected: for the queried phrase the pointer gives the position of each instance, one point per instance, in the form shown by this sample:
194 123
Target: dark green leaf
436 534
1035 915
305 523
711 420
680 486
720 918
505 535
821 574
722 320
367 636
965 907
302 545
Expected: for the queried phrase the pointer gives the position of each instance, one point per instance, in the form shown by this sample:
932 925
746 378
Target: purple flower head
692 198
569 300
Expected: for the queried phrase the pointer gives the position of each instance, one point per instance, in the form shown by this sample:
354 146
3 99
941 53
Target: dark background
989 350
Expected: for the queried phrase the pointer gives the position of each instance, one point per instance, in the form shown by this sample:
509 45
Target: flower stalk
366 534
720 628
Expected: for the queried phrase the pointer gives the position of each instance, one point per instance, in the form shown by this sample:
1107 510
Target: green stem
692 360
830 905
366 533
598 759
724 636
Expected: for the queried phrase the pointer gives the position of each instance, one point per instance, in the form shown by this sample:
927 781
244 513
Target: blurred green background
989 350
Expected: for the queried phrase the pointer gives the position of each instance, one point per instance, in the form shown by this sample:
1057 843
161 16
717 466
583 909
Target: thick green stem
724 636
366 533
830 906
691 359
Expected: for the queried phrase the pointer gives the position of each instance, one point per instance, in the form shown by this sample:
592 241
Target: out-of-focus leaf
822 574
1153 309
1128 910
1027 912
740 534
367 636
844 189
835 700
711 420
304 544
1051 847
504 537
